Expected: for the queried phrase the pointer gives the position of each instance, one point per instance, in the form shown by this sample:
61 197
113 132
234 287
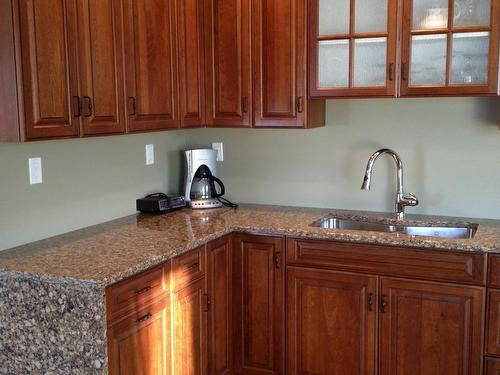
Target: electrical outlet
219 147
150 154
35 170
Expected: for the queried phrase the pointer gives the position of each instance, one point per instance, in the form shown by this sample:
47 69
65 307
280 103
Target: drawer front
442 265
188 267
137 291
494 271
493 324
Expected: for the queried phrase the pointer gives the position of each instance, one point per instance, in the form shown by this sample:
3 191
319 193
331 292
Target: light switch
219 147
35 170
150 154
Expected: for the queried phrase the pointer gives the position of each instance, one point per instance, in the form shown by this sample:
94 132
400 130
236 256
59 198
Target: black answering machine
159 202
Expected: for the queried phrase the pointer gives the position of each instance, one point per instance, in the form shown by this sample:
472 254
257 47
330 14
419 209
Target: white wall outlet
150 154
219 147
35 170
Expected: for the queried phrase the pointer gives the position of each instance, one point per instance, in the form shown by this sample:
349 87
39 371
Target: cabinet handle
391 68
208 303
277 260
244 104
403 71
193 265
383 303
370 302
78 106
300 107
144 318
131 104
89 106
147 288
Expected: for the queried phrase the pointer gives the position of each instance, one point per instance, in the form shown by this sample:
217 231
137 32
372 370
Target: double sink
440 231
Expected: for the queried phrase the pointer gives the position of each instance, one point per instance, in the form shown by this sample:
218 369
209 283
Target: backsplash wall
450 149
85 182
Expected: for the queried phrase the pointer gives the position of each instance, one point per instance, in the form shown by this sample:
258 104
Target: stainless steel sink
335 222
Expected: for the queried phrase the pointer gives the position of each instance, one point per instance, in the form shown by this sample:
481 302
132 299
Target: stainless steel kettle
203 185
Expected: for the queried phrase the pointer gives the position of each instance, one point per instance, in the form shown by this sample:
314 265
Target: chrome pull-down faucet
402 200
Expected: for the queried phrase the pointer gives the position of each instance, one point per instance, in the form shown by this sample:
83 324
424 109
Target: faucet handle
411 199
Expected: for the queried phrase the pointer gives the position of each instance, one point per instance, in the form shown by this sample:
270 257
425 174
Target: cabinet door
101 66
49 50
332 320
189 27
227 76
492 366
450 47
279 62
430 328
140 344
352 47
258 305
493 320
150 66
219 316
190 324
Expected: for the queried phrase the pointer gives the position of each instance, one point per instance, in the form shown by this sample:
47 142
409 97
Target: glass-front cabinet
361 48
352 47
450 47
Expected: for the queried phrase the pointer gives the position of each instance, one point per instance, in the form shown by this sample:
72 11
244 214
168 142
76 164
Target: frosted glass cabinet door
371 16
469 61
430 14
334 16
472 13
333 59
370 61
428 62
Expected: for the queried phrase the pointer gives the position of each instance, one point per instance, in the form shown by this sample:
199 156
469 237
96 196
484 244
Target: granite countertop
108 252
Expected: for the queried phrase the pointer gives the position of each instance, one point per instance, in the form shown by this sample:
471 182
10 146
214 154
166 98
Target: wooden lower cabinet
492 366
332 322
140 344
258 305
430 328
493 323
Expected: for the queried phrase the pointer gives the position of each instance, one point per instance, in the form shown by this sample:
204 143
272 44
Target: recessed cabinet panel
428 66
49 49
469 60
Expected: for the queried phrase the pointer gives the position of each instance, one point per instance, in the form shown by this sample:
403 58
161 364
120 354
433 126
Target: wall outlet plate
219 147
150 154
35 170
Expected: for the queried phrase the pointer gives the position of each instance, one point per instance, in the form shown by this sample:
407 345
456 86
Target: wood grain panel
227 71
492 366
430 328
493 323
462 267
150 64
50 71
219 279
332 322
188 267
494 270
258 305
189 25
100 33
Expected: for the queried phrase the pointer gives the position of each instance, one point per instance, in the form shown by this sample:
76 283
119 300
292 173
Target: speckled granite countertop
106 253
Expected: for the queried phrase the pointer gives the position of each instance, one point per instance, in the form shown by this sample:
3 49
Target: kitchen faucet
401 199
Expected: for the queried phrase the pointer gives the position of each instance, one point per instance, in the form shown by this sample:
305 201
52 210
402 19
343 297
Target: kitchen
447 139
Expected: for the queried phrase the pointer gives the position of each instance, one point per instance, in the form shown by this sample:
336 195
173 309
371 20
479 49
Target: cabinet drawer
494 271
189 267
388 260
137 291
493 323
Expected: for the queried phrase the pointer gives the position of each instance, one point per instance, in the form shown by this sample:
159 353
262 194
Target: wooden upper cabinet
101 66
352 48
189 27
49 49
258 305
150 64
450 47
227 68
332 323
430 328
279 44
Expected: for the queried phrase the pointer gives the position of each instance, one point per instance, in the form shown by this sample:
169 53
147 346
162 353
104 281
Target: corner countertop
109 252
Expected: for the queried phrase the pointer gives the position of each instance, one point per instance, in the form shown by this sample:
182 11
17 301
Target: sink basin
335 222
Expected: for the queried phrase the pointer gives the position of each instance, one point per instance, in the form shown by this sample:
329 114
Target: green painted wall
86 181
450 148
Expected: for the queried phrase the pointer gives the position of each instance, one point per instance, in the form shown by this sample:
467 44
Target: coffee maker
201 178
